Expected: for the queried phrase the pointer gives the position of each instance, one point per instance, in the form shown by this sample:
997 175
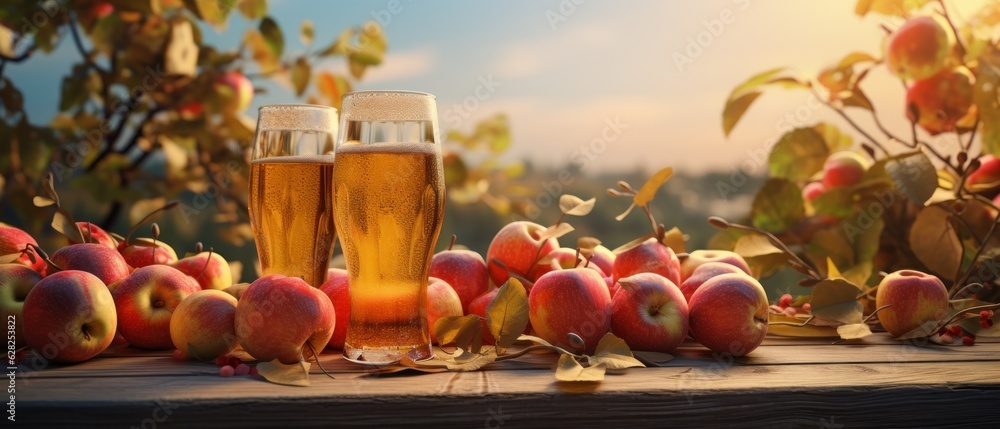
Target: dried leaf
625 213
555 231
935 241
296 374
806 331
675 240
568 369
272 35
613 353
41 201
587 244
914 175
476 362
253 9
10 257
63 222
181 56
648 189
533 339
752 245
836 299
854 331
574 206
458 329
507 314
632 244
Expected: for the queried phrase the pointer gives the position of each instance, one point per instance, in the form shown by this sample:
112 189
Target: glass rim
304 106
402 92
296 116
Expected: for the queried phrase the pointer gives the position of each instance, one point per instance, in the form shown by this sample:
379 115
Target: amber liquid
390 200
291 214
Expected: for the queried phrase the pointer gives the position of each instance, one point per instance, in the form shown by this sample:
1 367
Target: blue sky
602 62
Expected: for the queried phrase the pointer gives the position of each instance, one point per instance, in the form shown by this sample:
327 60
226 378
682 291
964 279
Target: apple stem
90 234
316 358
452 244
198 247
132 230
865 320
41 254
207 260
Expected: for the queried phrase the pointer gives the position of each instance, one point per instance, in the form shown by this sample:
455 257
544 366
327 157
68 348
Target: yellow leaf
460 330
831 269
632 244
296 374
574 206
475 362
648 190
613 353
674 239
63 222
854 331
507 314
568 369
181 56
555 231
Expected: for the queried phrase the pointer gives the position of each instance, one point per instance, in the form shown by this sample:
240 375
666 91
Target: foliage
918 205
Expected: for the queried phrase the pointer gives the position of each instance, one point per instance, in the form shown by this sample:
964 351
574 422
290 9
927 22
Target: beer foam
303 117
301 159
412 147
388 106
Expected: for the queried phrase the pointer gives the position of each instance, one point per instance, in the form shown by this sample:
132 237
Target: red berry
234 361
242 369
957 331
221 361
986 314
179 355
806 307
253 371
968 340
986 323
785 300
942 331
790 311
227 371
947 338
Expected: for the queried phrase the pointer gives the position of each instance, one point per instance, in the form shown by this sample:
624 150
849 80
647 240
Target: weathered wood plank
879 395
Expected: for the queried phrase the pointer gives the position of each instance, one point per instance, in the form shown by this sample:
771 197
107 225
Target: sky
629 84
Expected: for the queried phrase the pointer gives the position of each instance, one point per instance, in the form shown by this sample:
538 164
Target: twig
979 252
958 39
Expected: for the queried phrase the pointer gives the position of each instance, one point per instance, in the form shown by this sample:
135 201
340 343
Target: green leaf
914 176
568 369
858 99
253 9
301 72
836 140
613 353
296 374
836 299
935 242
735 109
746 93
213 12
838 202
648 190
261 52
307 32
272 35
798 155
778 205
830 244
575 206
507 314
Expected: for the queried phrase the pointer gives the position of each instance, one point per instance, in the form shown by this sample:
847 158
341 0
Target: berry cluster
230 365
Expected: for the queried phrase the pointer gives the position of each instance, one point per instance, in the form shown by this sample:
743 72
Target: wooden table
784 383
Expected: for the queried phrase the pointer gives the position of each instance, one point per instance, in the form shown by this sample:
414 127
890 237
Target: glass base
387 355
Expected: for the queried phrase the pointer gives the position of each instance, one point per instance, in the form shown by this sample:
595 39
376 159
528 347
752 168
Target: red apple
236 89
728 314
919 48
442 301
209 269
146 299
939 102
649 313
916 298
15 282
705 272
603 258
701 257
69 316
94 234
14 240
613 287
813 190
278 315
203 326
649 257
464 270
843 169
97 259
337 288
987 173
102 9
143 252
516 246
574 300
565 258
191 111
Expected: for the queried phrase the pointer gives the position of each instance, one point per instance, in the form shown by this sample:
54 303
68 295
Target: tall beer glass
291 194
389 189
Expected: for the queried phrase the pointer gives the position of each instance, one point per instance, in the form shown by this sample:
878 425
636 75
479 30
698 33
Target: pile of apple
70 306
645 294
